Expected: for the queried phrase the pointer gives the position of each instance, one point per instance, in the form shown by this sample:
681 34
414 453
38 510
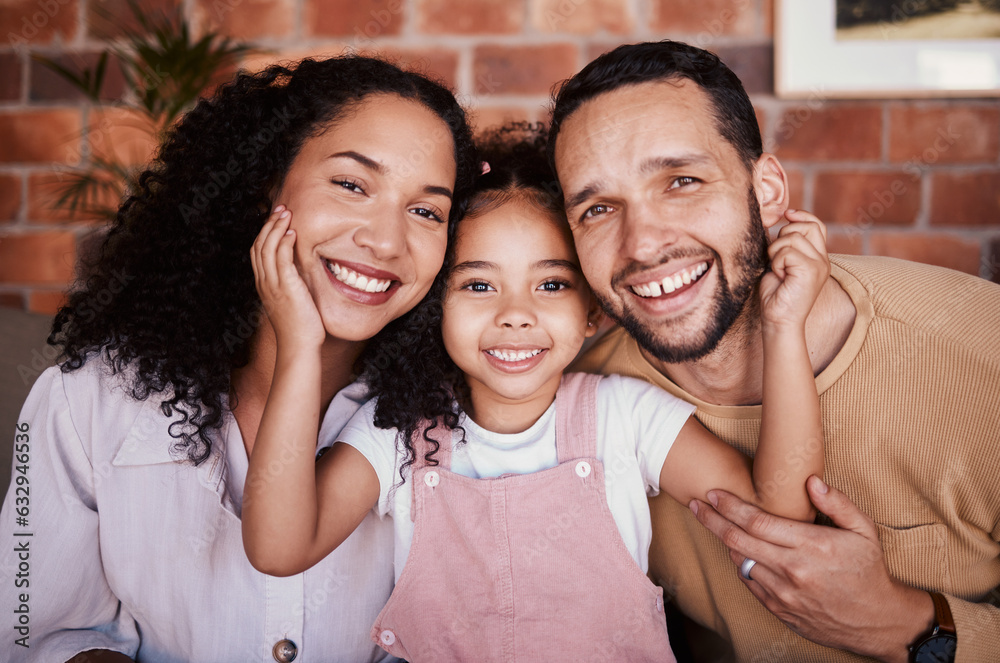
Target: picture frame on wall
887 48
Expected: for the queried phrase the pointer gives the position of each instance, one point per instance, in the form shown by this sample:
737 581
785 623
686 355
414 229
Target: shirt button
387 637
583 468
432 479
284 651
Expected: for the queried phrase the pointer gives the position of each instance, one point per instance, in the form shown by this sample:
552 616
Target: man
659 157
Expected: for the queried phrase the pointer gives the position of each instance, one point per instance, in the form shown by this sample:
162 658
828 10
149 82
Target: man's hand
829 585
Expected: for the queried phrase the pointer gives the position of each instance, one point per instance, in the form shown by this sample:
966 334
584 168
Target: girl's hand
286 299
800 267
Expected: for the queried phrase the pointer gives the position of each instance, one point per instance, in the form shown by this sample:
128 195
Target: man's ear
595 316
770 183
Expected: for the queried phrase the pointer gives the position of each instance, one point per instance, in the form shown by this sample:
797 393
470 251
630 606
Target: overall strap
576 416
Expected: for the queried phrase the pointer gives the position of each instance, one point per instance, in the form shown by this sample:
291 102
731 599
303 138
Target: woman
134 451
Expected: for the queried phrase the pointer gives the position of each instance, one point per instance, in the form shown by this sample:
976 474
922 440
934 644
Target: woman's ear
595 316
771 186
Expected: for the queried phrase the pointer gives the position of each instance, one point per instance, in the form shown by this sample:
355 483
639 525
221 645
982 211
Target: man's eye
596 210
683 181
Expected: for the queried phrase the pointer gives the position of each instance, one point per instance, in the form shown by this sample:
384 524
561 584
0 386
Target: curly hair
170 295
413 377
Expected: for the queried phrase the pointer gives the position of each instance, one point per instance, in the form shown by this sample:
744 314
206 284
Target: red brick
754 65
10 77
463 17
933 249
47 85
25 22
484 119
582 16
10 197
44 191
246 19
866 199
437 63
820 130
11 300
708 19
522 69
595 50
364 20
121 135
46 301
40 136
965 199
109 19
44 258
944 134
796 188
846 241
767 17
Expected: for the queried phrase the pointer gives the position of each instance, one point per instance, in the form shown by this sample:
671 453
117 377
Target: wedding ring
746 567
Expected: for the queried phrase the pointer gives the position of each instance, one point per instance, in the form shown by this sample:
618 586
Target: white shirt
133 551
636 426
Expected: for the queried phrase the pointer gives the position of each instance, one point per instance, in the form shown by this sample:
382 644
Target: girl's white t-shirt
636 425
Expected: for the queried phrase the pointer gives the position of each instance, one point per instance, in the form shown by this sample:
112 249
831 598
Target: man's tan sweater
911 414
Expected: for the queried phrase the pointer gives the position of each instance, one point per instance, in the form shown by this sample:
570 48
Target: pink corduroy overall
523 567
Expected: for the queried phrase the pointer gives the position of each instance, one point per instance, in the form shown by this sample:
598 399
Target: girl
520 513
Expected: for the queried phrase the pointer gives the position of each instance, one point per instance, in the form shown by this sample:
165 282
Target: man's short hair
666 60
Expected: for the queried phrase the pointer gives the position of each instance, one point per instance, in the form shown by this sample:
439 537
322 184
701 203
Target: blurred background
913 179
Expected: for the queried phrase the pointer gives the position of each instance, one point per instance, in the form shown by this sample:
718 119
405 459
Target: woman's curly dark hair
412 375
171 294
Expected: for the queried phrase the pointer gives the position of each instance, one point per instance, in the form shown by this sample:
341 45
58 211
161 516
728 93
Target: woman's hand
799 268
286 299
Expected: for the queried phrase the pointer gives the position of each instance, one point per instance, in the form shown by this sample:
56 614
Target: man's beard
730 300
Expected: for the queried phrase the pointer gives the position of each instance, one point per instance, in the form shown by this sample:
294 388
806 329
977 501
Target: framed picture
887 48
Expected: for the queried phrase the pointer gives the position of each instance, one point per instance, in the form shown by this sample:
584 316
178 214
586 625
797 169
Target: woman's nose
383 233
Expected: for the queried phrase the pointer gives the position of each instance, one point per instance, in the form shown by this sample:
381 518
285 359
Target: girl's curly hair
412 375
171 293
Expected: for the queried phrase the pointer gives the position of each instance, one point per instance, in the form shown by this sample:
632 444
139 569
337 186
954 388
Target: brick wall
913 179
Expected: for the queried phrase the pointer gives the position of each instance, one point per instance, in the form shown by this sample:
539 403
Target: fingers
804 222
756 522
739 540
273 238
841 510
797 249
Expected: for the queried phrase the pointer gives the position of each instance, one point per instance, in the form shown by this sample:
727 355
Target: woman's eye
349 185
428 213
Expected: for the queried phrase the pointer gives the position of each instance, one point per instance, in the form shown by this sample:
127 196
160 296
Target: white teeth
671 283
359 281
511 355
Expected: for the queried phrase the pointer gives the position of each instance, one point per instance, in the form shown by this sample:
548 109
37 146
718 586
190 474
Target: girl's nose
515 313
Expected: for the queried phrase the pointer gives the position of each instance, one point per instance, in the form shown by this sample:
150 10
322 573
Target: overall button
432 478
387 637
284 651
583 468
659 604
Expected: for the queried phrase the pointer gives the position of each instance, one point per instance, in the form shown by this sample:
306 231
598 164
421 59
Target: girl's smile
515 312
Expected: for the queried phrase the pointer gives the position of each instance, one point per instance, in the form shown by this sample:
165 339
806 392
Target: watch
939 645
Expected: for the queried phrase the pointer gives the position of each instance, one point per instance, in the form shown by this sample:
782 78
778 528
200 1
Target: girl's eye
429 213
349 185
477 286
553 286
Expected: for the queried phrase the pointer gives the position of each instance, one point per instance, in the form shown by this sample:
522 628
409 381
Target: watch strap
942 614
